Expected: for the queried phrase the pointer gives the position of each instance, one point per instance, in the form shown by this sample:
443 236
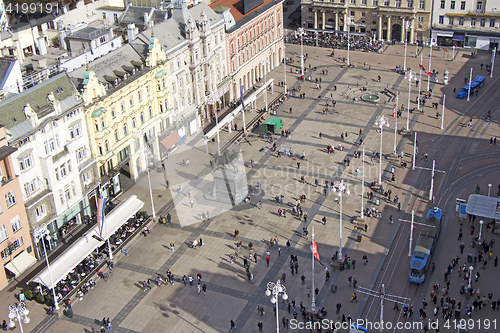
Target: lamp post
284 63
419 82
381 122
349 22
145 153
18 312
264 64
342 187
428 77
39 233
470 83
407 26
212 101
489 188
493 61
363 183
274 290
301 33
410 76
442 115
480 229
471 269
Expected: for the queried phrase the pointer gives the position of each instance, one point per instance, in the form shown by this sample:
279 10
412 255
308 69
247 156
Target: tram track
449 184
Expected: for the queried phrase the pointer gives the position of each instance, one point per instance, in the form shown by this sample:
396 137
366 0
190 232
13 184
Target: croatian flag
395 112
314 250
101 203
241 95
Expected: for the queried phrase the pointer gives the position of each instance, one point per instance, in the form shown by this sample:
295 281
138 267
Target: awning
444 33
483 206
459 37
20 263
171 140
85 245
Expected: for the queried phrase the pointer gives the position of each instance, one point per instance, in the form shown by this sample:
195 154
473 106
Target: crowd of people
337 41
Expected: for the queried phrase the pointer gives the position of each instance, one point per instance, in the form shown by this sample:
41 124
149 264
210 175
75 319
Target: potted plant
49 301
28 294
39 298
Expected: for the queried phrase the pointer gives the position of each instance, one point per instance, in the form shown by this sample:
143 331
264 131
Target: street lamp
349 22
263 63
39 233
489 188
274 290
18 312
147 152
284 62
410 76
480 229
212 102
428 77
301 33
471 268
342 187
381 122
407 26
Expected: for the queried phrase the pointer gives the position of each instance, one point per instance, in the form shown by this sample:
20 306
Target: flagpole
396 122
313 304
428 77
110 254
470 83
363 183
419 81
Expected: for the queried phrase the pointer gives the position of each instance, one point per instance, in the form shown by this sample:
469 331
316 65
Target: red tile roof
236 7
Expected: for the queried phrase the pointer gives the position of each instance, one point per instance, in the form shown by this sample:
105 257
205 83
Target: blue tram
426 242
474 85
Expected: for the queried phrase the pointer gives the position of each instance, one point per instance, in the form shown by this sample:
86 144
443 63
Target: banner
241 96
314 250
395 112
432 75
101 204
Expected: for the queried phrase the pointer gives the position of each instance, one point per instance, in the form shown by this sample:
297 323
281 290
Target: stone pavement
230 295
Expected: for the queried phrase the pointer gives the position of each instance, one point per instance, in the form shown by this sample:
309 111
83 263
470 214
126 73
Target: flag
432 75
314 250
395 112
241 95
101 203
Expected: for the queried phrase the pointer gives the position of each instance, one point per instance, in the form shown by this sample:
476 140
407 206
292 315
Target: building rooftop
89 33
236 9
135 14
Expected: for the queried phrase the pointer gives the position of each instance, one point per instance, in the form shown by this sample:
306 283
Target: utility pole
431 192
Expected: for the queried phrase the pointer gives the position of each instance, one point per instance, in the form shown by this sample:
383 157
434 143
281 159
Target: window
74 131
441 19
421 4
443 3
122 105
420 19
163 83
363 2
460 21
25 162
450 21
353 13
116 136
353 2
147 90
61 196
375 3
470 41
386 3
151 111
492 23
103 124
173 87
10 199
363 14
134 125
374 15
113 114
125 132
472 21
30 187
131 99
410 4
80 154
67 193
452 5
12 248
3 233
106 146
142 117
139 97
479 5
398 3
40 211
62 170
16 223
462 5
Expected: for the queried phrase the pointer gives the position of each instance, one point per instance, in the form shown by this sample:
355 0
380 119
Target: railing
35 78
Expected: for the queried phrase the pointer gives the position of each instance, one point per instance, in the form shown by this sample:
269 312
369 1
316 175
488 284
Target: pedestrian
172 246
267 260
462 246
191 202
303 278
260 325
390 219
204 289
124 251
350 280
233 325
365 258
199 287
354 297
324 220
354 282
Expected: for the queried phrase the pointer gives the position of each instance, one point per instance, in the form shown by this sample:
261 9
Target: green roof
273 121
160 73
98 111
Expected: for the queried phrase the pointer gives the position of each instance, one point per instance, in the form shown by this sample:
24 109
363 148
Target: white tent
483 206
85 245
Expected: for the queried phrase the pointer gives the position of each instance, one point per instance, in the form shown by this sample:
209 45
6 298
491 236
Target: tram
426 242
474 85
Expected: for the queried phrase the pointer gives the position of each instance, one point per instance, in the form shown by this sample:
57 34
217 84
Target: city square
465 155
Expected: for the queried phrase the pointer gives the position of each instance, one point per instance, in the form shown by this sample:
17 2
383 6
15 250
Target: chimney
111 34
131 32
145 19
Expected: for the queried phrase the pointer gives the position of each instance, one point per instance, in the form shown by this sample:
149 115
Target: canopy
171 140
85 245
20 263
481 205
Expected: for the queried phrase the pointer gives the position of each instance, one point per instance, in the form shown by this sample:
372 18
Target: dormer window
14 120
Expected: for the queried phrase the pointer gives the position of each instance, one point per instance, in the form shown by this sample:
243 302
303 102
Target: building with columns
380 19
254 41
466 23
